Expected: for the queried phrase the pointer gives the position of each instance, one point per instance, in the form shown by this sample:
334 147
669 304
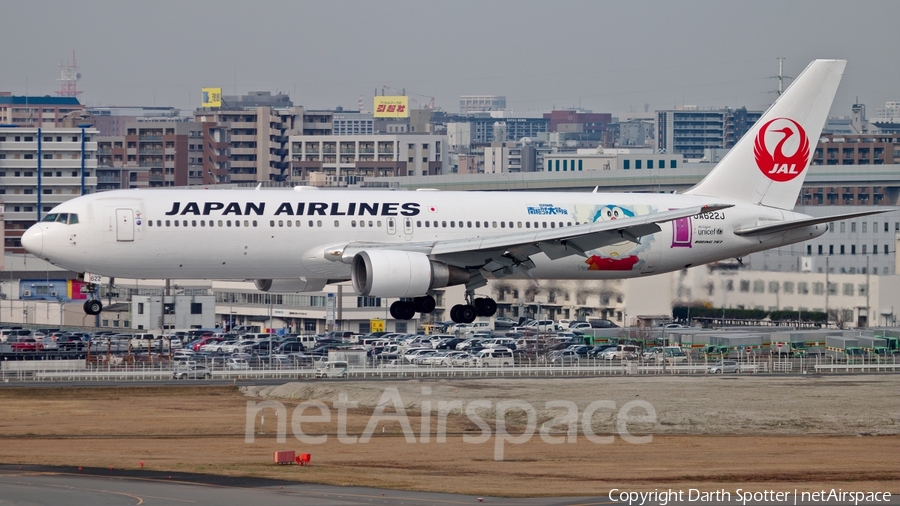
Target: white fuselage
284 234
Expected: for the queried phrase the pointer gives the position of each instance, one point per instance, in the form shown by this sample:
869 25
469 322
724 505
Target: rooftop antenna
68 79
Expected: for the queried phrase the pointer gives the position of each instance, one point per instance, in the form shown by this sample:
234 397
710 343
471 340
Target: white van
336 369
499 357
501 342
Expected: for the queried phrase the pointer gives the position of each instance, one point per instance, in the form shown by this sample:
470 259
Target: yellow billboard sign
212 97
391 107
376 325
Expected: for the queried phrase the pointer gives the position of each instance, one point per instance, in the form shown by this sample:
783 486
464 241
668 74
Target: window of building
196 308
831 249
843 227
852 249
626 164
745 285
803 288
852 226
820 249
759 286
729 285
788 287
637 164
818 288
842 249
832 288
885 249
773 286
140 308
848 289
649 164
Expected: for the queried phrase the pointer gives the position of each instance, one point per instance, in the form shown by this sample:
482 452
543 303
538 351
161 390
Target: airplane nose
33 240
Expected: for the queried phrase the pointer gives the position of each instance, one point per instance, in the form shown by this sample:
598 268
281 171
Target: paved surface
45 486
33 485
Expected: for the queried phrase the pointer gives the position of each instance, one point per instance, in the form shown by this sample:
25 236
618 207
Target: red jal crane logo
775 164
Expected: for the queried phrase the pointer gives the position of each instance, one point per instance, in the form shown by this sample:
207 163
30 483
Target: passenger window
502 224
176 223
149 223
237 223
202 223
494 224
310 223
228 223
427 224
254 223
477 224
469 224
319 223
353 223
158 223
246 223
167 223
271 223
289 223
337 223
527 224
220 223
298 223
443 224
452 224
193 223
280 223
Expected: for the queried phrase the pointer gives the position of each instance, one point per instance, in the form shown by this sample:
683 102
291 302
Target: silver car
723 366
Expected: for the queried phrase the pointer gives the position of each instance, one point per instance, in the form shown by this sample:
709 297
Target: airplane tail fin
768 165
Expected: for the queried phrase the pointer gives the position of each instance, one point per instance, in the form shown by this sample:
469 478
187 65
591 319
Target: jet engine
391 273
290 285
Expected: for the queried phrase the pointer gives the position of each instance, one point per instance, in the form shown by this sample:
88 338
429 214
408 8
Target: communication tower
68 79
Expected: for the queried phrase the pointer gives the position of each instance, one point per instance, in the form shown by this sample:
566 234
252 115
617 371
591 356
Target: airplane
407 244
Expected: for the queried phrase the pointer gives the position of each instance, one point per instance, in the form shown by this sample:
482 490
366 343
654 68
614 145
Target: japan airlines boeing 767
407 244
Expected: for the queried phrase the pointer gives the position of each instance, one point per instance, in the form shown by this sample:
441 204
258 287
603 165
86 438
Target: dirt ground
744 432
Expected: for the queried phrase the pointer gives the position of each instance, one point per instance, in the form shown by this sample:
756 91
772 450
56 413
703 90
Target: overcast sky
604 56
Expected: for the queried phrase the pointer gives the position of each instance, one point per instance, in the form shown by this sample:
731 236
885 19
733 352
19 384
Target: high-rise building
481 103
39 169
690 130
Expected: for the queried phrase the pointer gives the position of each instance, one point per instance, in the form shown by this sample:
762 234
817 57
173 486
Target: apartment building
39 169
341 159
51 112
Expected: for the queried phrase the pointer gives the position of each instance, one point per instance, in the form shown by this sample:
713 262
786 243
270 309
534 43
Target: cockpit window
63 218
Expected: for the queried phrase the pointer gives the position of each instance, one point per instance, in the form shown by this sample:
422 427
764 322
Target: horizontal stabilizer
790 225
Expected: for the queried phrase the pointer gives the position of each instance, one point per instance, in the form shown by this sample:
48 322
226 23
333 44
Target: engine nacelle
391 273
290 285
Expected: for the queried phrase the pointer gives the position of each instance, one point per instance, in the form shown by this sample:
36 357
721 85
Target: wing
508 254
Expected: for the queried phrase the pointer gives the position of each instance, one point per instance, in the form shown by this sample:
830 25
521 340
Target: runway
35 485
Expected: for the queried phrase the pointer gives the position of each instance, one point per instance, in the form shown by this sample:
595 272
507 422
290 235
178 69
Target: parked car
192 371
563 357
337 369
237 364
26 344
494 357
598 349
503 322
602 323
723 366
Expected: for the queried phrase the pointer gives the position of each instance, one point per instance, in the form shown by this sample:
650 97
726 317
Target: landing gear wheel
466 314
93 307
485 306
424 304
454 313
402 310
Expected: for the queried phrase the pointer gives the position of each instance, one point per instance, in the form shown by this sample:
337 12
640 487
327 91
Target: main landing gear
466 313
460 313
406 309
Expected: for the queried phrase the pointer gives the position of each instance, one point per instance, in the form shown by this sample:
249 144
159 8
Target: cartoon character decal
622 256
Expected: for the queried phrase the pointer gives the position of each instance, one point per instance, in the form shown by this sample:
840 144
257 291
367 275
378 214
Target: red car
204 340
26 344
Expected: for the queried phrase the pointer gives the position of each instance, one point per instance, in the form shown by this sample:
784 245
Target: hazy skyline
605 56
